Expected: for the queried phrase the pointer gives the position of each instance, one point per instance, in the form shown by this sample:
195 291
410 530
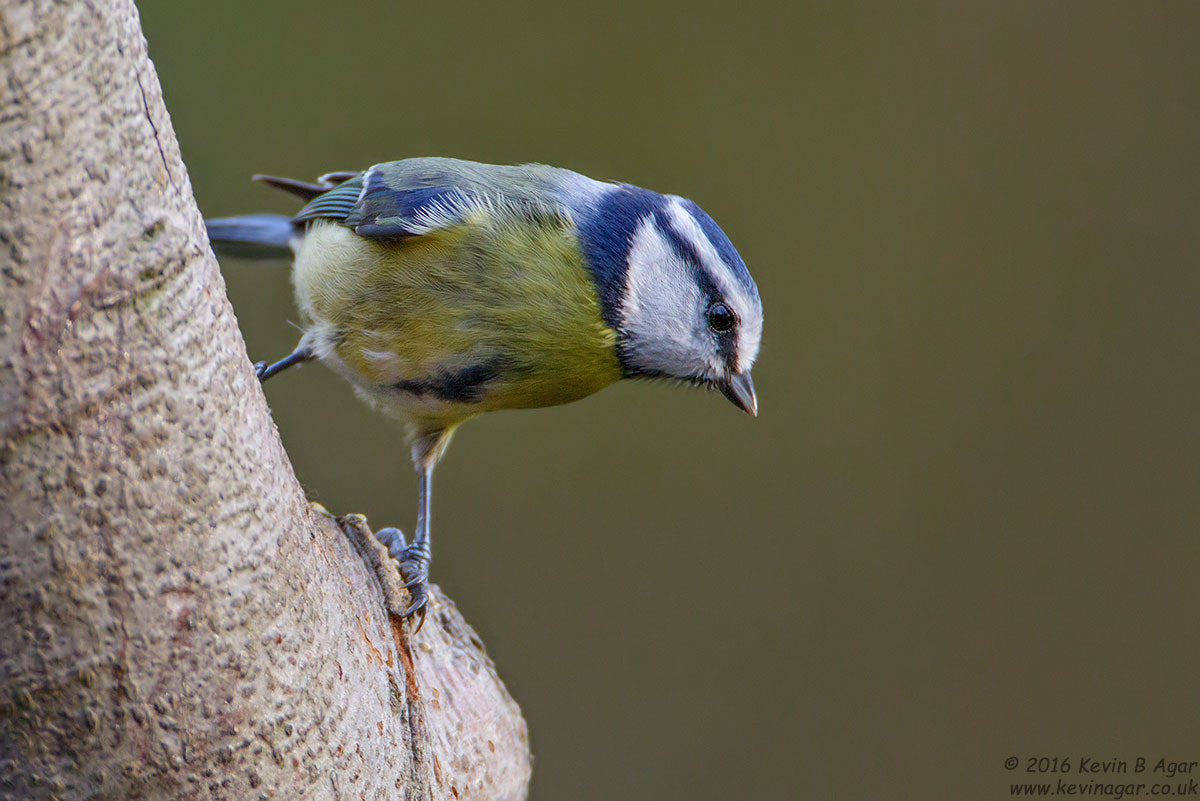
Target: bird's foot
414 569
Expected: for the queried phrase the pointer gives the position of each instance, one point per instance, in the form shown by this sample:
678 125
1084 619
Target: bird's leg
414 558
427 449
301 354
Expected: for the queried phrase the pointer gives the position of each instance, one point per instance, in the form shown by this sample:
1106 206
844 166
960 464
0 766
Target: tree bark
176 620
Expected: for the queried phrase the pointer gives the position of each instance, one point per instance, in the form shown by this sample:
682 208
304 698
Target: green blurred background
964 526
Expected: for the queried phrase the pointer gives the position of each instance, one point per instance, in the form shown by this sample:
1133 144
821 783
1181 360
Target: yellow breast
474 318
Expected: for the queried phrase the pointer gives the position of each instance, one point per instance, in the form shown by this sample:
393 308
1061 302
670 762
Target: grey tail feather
303 189
252 236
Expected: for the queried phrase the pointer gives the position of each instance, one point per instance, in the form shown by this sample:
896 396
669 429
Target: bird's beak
740 391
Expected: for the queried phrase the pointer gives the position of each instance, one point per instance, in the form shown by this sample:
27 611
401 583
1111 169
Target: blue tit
442 289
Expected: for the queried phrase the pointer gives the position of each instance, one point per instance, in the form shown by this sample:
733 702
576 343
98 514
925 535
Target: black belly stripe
458 386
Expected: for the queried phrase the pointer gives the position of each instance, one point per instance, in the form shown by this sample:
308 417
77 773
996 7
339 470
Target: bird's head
675 290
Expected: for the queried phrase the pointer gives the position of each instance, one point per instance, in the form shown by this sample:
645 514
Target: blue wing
334 204
385 211
399 199
414 197
375 207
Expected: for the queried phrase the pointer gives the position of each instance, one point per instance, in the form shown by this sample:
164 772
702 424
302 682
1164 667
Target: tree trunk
176 620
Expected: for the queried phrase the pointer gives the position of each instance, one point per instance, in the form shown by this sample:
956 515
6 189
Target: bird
442 289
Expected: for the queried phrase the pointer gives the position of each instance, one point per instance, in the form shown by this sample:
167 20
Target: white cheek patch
745 306
659 313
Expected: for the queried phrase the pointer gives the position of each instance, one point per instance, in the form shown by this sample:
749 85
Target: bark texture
176 621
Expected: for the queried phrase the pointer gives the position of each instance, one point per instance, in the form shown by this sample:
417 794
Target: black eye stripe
687 253
723 322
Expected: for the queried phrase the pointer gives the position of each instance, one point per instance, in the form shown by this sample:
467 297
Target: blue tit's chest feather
485 315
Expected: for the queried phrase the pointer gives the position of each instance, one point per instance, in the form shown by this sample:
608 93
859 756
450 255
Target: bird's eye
720 318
